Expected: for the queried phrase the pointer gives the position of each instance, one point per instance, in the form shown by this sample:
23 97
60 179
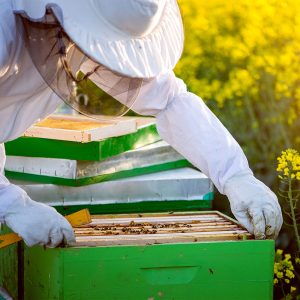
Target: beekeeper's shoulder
8 34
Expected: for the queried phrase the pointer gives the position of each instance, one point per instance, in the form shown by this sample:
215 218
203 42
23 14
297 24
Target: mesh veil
87 86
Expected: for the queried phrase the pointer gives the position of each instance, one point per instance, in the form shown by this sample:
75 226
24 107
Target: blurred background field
243 58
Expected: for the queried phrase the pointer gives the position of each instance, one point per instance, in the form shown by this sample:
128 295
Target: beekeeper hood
120 44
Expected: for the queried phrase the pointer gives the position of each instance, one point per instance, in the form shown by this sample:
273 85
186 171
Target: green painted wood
9 267
231 270
100 150
101 178
142 207
52 268
9 257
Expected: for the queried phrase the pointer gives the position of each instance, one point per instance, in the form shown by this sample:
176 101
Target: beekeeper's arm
186 123
35 222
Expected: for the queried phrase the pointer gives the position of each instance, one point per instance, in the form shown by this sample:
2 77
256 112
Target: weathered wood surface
81 129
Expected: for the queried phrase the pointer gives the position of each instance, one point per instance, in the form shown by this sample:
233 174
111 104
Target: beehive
154 256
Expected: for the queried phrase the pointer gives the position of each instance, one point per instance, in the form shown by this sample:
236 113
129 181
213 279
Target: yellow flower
297 260
241 43
287 280
293 288
289 274
289 164
279 251
279 275
275 269
287 256
275 280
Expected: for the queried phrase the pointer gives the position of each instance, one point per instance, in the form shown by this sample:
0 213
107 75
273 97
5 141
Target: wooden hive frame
146 229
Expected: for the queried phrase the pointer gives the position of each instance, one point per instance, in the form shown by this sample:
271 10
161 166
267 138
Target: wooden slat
164 235
146 225
154 239
154 220
164 214
81 217
8 239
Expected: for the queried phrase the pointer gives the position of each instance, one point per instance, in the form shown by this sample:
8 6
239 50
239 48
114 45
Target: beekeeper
50 49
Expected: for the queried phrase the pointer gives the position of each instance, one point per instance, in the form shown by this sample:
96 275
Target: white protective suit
183 120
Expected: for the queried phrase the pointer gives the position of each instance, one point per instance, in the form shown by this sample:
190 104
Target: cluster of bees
139 228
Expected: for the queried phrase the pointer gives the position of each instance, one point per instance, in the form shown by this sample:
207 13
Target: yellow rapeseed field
243 58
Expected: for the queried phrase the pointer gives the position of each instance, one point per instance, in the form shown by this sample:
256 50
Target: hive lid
145 133
152 158
163 228
81 129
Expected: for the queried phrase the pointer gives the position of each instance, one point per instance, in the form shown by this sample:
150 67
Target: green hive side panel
101 178
114 146
213 270
38 147
44 271
9 267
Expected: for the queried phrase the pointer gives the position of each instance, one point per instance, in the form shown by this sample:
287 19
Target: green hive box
9 267
213 270
231 269
96 151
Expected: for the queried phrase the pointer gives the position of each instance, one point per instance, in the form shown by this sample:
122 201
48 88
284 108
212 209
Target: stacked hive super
110 166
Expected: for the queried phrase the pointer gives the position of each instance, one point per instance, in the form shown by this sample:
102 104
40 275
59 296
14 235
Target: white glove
36 223
254 205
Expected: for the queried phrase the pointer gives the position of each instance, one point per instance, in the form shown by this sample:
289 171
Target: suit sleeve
190 127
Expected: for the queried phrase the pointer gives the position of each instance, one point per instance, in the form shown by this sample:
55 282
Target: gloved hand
254 205
36 223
